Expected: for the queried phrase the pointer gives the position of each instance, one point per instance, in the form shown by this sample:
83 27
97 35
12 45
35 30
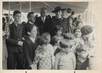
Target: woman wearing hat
57 20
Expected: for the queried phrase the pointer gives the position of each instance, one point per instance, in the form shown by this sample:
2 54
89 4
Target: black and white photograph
47 36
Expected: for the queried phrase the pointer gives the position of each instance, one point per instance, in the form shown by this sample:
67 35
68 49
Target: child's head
66 45
82 52
77 33
86 30
87 34
55 40
45 38
59 30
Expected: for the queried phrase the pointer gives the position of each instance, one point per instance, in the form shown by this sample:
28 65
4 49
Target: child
44 58
56 39
71 38
88 37
82 62
78 39
65 59
29 47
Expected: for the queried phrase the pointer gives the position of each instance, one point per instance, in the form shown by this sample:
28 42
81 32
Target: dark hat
58 8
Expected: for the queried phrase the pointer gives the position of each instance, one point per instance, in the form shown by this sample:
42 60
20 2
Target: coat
44 26
29 52
15 35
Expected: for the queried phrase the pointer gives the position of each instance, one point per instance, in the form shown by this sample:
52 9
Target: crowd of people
59 42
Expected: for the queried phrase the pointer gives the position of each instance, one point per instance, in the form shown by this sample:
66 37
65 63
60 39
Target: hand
28 33
20 43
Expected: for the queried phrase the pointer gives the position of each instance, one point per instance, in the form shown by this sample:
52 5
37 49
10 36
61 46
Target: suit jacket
15 36
45 26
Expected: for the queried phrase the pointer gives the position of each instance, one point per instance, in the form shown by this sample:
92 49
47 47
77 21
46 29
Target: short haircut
16 12
29 14
86 29
69 10
58 28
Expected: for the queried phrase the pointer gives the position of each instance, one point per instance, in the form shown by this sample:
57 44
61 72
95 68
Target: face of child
47 39
78 33
67 49
59 32
83 54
